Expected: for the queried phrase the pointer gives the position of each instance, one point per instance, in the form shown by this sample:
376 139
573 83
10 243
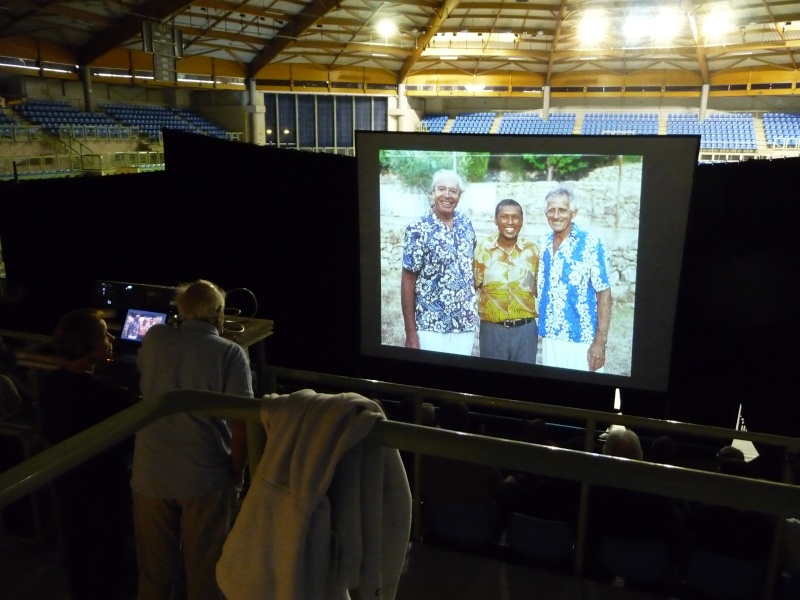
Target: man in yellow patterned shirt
506 266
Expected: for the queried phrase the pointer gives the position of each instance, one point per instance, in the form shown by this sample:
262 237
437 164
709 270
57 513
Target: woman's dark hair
78 333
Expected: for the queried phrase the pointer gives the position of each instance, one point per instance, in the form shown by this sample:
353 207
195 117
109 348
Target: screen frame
667 174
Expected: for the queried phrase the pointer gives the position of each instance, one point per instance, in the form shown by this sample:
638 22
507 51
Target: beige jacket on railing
325 512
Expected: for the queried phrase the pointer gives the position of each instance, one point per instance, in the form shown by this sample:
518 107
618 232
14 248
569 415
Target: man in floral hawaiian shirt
574 290
505 276
437 289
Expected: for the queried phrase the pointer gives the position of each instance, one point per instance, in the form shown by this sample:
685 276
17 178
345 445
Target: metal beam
562 15
431 28
702 62
127 27
305 19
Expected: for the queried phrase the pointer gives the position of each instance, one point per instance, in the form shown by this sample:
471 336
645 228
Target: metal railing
42 164
589 420
19 133
585 467
98 133
779 499
72 164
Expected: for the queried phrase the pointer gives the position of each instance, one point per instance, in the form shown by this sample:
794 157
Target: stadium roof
462 38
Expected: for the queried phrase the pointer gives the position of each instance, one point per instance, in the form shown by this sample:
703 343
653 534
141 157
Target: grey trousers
509 343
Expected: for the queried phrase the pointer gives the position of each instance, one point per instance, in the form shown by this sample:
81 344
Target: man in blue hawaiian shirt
437 289
574 290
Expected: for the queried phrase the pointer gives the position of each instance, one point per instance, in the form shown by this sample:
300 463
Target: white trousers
452 343
566 355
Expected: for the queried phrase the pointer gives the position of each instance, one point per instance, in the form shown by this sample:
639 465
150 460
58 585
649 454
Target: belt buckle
509 323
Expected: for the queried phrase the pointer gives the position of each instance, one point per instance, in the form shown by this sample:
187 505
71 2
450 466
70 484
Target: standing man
574 291
506 266
437 289
187 467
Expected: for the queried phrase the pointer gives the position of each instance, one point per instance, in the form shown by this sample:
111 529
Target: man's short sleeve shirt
568 282
442 260
506 281
185 454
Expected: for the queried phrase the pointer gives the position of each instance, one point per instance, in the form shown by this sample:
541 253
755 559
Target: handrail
591 417
688 484
587 467
42 468
768 497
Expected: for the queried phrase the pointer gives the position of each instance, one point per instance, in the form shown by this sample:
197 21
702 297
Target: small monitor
138 321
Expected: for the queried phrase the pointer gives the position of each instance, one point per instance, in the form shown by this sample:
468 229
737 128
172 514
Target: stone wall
608 204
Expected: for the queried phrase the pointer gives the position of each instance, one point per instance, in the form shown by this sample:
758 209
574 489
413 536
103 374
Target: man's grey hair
624 443
449 174
562 191
201 300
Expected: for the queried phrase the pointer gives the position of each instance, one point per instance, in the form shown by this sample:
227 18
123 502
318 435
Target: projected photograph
522 257
553 257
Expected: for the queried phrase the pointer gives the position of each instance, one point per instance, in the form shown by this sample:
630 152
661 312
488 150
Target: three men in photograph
563 281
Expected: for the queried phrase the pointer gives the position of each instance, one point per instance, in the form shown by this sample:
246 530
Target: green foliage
415 168
512 164
558 166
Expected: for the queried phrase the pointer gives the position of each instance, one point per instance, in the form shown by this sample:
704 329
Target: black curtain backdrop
284 224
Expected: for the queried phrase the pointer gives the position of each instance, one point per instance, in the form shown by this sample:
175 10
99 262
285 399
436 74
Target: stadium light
592 27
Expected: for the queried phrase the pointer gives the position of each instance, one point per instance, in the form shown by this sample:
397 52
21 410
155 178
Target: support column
405 118
704 101
402 105
545 102
86 80
255 109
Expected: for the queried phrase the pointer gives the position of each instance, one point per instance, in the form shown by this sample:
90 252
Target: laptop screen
138 321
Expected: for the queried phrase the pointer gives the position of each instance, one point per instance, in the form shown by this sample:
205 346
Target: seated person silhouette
664 450
15 396
94 497
461 501
727 548
729 453
730 531
623 522
543 497
531 432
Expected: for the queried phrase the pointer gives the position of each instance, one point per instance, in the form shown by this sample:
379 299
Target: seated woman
94 497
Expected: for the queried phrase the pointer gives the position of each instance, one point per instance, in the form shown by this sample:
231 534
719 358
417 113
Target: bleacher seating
150 120
620 124
519 123
54 114
719 131
6 125
433 123
480 122
782 130
201 123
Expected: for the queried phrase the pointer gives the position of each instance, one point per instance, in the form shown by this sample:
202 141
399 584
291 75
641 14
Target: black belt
515 322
